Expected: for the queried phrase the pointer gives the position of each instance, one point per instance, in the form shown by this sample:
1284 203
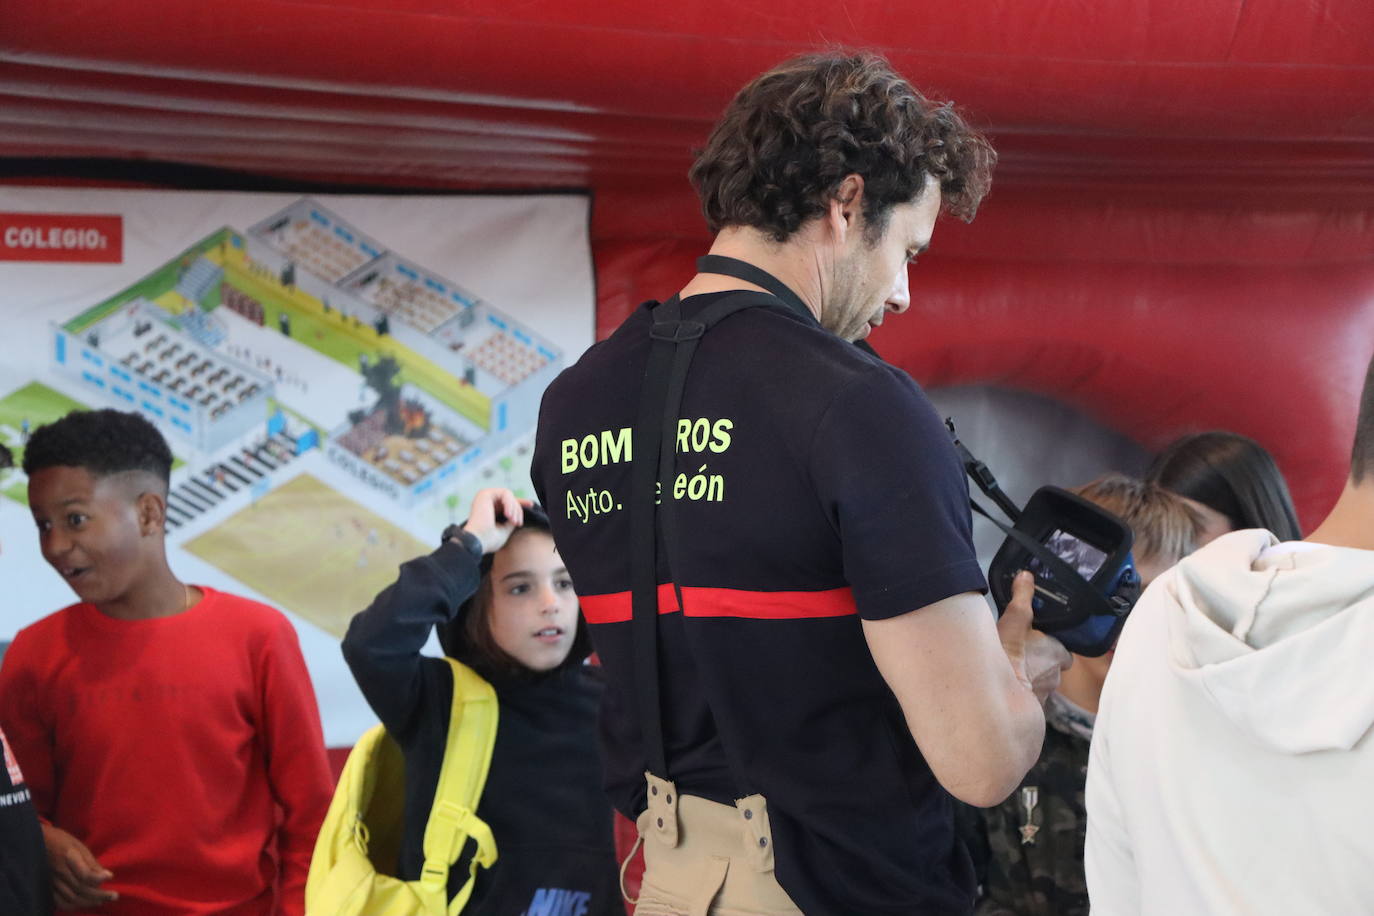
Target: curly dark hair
103 442
789 138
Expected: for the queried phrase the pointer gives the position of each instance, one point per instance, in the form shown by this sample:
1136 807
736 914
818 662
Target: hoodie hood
1280 638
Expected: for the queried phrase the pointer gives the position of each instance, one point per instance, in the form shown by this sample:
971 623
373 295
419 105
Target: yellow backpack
361 835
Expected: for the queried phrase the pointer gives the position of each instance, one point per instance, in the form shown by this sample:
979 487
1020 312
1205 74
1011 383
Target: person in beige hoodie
1232 765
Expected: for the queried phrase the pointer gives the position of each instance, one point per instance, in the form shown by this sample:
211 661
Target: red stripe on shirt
727 602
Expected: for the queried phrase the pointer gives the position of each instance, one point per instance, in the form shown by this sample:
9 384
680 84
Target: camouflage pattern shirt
1031 845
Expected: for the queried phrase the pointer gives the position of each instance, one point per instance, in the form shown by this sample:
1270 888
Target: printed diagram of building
443 379
247 468
141 359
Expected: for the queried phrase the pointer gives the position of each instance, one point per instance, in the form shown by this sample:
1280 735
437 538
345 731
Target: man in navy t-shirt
832 675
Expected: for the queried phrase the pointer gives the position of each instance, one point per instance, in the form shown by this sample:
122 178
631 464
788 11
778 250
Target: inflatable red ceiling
1181 234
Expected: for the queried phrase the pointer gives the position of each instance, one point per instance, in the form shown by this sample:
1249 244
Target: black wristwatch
471 542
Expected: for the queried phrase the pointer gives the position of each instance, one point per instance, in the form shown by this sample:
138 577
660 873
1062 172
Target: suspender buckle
662 810
677 331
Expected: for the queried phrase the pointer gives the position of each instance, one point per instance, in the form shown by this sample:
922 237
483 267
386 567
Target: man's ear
845 211
152 512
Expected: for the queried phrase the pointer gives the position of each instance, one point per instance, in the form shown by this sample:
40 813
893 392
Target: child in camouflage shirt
1028 851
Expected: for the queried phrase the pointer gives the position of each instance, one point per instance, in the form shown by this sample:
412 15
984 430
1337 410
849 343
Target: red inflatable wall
1157 318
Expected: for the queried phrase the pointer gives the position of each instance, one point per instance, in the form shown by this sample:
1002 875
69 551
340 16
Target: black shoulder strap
743 270
654 444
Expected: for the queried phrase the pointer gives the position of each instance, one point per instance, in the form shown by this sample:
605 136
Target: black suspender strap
654 442
643 552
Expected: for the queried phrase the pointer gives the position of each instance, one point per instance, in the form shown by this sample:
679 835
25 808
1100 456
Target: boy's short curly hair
778 154
103 442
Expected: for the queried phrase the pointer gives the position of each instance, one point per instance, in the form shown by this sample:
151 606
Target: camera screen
1083 557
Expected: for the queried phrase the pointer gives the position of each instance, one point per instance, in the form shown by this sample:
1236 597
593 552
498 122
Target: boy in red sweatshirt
169 732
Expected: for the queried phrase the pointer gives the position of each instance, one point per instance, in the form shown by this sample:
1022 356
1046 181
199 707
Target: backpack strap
453 817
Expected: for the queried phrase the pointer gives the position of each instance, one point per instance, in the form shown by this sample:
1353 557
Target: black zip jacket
25 885
543 798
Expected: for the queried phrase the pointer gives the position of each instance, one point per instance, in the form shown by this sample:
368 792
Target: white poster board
336 375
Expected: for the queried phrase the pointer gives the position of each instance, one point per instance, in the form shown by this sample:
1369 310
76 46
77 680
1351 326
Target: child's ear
152 513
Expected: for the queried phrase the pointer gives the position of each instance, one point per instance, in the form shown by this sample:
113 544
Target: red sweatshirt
167 746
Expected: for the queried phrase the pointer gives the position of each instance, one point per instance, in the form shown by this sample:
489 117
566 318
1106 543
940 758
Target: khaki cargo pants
702 858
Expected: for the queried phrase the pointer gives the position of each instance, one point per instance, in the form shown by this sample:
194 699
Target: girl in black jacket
504 605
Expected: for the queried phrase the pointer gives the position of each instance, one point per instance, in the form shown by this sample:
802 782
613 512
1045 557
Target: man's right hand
1036 658
76 875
